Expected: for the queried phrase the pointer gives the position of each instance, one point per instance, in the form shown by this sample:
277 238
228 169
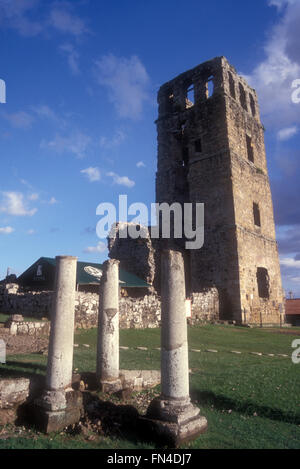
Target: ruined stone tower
211 150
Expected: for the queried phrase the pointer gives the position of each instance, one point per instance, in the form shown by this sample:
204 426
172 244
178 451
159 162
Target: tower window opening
198 145
185 156
256 214
252 105
210 87
243 97
170 100
250 151
231 85
263 282
190 97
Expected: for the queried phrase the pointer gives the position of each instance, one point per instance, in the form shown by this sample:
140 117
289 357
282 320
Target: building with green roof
41 275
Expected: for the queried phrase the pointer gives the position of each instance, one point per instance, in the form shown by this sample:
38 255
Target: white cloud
115 141
273 77
286 134
281 3
290 262
30 232
45 112
34 196
295 279
13 204
101 247
6 230
72 56
26 183
93 174
127 81
121 180
63 20
19 120
53 201
16 14
140 164
77 144
24 119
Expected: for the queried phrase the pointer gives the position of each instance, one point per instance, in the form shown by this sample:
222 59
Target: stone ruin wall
212 151
136 256
135 313
142 257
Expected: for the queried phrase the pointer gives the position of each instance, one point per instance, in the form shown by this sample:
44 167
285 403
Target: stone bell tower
211 150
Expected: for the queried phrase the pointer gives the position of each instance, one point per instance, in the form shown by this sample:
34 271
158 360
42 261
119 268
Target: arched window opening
190 97
243 97
250 151
198 145
231 85
182 128
263 282
252 105
169 100
256 214
185 156
210 87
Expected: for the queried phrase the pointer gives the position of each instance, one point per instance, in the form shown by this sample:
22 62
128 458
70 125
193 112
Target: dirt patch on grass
23 344
284 331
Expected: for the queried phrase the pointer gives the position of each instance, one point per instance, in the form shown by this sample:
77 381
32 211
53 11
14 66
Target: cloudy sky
77 128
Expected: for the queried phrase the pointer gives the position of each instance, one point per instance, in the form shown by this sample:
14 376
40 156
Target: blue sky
77 128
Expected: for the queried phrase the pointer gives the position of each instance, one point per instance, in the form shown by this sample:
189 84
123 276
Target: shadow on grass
15 369
221 402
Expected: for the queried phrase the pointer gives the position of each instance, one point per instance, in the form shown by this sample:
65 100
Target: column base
51 415
173 422
110 386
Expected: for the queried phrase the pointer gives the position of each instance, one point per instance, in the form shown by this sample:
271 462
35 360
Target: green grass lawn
249 401
4 317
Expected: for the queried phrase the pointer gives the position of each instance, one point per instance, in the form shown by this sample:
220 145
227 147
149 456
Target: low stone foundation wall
29 328
205 306
135 312
14 393
35 304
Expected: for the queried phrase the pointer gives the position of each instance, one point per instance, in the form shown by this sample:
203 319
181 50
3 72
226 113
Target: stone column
174 348
60 356
2 351
55 401
108 329
172 416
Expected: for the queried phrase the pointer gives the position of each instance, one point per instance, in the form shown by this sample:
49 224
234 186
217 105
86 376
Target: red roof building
292 311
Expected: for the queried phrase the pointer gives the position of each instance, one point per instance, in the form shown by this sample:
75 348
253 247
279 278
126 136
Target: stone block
49 421
172 423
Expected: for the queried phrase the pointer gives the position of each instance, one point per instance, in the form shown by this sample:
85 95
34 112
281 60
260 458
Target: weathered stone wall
29 328
205 306
14 393
135 255
256 242
36 304
136 313
212 151
139 313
